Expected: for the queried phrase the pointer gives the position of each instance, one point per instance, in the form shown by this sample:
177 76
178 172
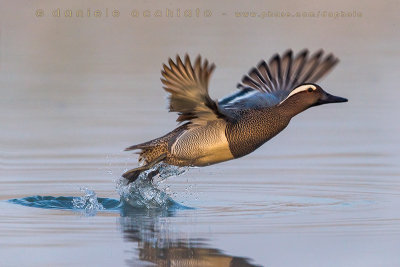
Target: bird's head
308 95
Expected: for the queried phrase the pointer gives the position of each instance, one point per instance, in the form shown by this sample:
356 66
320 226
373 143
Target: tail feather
147 154
151 153
139 146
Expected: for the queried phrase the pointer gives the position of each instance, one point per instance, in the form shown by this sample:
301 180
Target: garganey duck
214 131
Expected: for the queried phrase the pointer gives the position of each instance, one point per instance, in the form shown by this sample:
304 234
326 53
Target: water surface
75 93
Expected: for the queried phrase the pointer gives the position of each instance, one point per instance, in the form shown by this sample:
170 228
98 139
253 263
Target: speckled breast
253 129
204 145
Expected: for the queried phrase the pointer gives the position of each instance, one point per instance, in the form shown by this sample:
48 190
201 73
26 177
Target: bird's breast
203 145
253 130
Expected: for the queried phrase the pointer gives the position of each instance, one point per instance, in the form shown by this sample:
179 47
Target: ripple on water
89 204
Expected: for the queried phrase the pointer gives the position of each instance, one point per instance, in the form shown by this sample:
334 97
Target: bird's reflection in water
159 244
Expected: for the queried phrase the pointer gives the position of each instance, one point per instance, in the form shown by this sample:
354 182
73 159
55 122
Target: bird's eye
310 89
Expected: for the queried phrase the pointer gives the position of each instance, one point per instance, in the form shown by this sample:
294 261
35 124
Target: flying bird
213 131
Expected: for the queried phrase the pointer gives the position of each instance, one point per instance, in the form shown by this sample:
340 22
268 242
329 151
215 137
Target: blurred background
80 81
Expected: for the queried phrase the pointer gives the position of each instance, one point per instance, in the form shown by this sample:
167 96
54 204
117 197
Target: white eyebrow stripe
298 90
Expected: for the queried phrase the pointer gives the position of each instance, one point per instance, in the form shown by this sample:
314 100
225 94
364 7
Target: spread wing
270 83
188 88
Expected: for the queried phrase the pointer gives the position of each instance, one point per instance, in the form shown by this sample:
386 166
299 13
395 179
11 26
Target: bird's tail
152 152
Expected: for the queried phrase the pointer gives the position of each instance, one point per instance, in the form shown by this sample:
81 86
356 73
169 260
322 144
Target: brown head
305 96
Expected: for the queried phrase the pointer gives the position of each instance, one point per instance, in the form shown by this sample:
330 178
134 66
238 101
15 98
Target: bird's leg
151 175
133 174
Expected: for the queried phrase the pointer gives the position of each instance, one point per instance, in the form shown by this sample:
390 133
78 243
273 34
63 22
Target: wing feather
264 70
188 88
282 74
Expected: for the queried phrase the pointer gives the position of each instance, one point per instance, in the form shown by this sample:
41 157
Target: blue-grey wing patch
248 99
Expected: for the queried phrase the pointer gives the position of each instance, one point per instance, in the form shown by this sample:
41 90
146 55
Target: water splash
145 192
88 203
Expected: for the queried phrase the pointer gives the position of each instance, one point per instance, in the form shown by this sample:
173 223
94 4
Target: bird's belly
204 145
